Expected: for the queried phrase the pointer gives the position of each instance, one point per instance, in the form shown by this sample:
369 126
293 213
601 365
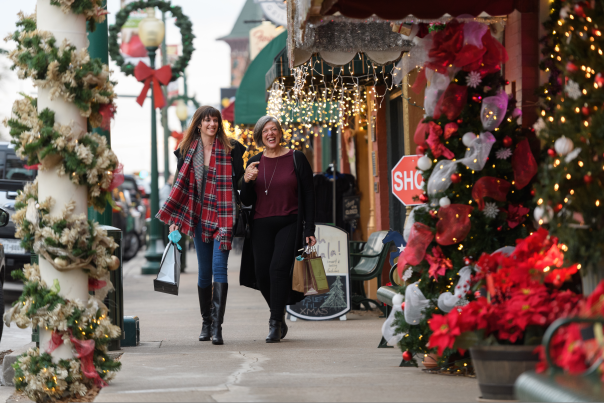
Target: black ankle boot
274 331
219 299
283 326
205 306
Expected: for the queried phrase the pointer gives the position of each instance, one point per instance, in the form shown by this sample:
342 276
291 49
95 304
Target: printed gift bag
168 277
309 274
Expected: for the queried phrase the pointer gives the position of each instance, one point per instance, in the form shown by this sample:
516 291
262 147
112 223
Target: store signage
352 208
407 180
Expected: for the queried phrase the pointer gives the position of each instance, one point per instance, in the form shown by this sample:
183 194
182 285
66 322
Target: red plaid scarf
184 206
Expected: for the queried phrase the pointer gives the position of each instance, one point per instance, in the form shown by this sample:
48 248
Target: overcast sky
208 71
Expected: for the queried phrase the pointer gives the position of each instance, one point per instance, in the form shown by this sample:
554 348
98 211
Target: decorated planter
498 367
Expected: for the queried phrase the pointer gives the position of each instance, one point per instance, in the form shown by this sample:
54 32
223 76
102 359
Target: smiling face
271 136
209 126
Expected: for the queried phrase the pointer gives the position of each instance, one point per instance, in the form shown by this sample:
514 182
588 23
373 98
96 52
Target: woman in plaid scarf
203 205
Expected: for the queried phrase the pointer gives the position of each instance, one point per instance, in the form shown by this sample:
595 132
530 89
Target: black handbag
241 229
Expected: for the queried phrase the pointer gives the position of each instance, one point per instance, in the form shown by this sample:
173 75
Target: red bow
142 72
84 350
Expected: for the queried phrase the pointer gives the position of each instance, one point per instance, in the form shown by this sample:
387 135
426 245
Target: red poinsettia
444 331
435 142
516 214
439 264
520 293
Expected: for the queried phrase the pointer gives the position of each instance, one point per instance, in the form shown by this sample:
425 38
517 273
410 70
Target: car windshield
13 168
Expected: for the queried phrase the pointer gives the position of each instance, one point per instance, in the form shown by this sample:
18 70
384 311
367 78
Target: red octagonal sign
407 180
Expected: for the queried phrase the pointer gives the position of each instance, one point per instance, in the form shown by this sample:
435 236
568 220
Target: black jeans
274 240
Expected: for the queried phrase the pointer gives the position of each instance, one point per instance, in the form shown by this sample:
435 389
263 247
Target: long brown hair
192 132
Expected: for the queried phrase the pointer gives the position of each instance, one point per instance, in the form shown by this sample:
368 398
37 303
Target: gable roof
250 12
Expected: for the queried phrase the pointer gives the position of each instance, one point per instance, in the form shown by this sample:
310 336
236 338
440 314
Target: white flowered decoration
572 89
490 210
503 154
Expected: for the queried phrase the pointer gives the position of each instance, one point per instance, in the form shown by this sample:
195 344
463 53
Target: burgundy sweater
282 197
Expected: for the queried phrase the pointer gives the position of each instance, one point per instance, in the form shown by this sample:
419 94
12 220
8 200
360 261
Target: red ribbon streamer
142 72
452 102
178 136
419 239
107 111
118 177
488 186
454 224
523 164
94 284
84 351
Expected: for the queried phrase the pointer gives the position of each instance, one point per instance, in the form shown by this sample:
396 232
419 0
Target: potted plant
518 296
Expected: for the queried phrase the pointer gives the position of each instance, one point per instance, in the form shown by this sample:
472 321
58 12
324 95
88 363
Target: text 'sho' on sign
332 246
407 180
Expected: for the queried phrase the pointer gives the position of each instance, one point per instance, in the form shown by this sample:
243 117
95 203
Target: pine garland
70 74
85 158
93 10
66 241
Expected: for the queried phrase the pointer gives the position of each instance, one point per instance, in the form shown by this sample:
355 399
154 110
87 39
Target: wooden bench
367 260
556 386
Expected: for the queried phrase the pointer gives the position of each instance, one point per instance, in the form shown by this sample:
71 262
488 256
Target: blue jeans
210 260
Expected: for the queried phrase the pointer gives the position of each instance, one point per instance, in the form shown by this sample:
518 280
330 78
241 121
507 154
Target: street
317 361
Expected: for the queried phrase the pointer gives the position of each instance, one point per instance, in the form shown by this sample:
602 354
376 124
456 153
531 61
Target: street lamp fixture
151 33
182 113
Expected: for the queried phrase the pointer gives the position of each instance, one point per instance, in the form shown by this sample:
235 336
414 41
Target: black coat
305 226
236 162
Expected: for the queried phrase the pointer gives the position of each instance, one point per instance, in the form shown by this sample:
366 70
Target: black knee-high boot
205 306
219 299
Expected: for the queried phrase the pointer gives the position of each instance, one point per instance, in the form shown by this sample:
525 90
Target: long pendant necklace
275 170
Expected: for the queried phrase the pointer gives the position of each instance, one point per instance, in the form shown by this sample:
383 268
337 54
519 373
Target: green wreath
182 22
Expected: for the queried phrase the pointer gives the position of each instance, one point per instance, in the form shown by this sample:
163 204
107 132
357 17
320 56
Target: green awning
250 101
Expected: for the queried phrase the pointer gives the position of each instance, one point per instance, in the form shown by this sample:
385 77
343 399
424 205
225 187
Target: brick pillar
522 68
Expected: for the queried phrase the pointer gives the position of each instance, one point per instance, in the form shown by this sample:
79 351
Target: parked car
138 208
13 177
122 219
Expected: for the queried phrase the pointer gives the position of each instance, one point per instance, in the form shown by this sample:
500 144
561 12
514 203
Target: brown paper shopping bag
299 275
316 280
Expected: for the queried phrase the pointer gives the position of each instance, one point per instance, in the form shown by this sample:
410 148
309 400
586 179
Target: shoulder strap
295 164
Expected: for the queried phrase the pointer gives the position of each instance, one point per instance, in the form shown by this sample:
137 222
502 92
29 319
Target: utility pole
164 111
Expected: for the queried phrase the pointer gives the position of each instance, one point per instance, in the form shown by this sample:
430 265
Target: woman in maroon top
278 185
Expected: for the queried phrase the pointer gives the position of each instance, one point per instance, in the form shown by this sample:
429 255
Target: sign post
407 180
332 247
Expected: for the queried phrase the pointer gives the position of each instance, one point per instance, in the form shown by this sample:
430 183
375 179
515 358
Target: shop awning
359 70
432 9
339 29
251 94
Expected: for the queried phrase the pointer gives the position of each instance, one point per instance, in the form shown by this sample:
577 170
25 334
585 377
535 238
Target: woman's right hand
173 227
251 172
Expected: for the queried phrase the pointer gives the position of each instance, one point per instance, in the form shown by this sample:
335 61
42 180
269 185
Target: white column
74 283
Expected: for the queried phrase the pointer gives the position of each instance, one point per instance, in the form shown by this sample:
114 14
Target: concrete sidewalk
317 361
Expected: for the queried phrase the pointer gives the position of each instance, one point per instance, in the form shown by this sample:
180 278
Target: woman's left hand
311 240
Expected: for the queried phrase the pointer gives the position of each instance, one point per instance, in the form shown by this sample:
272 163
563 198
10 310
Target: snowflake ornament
572 89
490 210
407 274
503 154
473 79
